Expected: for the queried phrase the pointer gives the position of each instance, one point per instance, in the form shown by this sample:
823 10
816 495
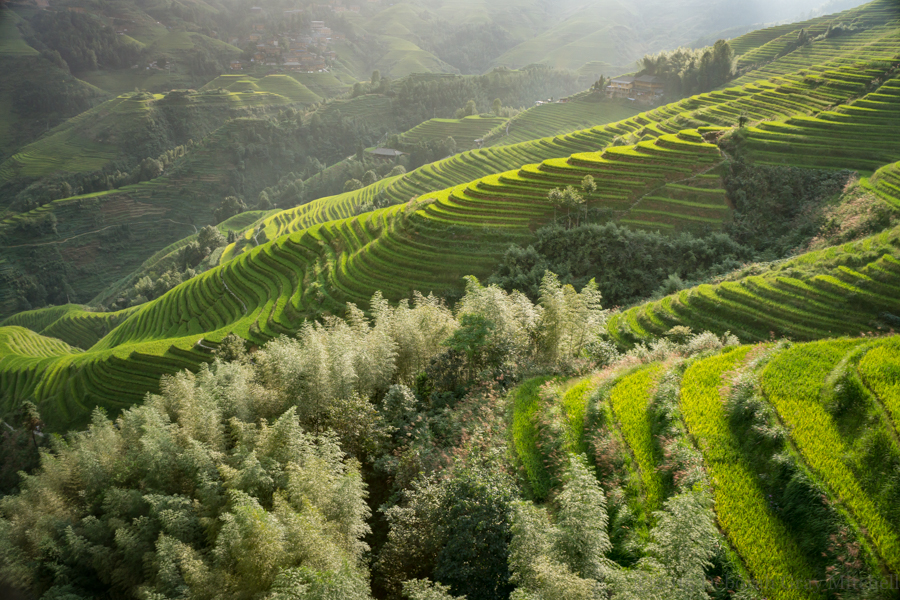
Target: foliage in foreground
199 493
233 483
567 559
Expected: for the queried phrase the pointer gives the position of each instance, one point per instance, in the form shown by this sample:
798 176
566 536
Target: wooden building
621 87
648 89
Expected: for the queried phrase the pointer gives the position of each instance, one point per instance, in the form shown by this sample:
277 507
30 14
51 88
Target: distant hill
87 204
619 32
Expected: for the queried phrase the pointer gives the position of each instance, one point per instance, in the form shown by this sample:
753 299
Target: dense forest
686 71
82 42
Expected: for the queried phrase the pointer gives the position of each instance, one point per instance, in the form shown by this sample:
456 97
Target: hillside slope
806 89
780 434
314 265
426 246
127 129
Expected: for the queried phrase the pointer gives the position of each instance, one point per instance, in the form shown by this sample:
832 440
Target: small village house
648 89
385 153
620 87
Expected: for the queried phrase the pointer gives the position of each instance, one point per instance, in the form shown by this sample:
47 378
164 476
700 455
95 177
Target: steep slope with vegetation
679 379
160 166
636 461
428 244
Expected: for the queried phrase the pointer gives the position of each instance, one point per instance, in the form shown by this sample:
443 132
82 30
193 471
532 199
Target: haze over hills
414 300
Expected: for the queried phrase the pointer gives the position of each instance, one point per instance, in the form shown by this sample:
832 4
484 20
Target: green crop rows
792 379
761 540
283 85
559 118
837 291
17 342
880 369
874 23
861 135
70 323
629 400
526 402
11 41
463 131
793 382
885 183
76 146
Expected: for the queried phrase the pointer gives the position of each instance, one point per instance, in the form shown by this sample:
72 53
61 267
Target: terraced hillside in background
463 131
766 45
777 433
781 102
99 238
127 127
322 255
426 245
280 84
802 82
582 111
25 70
78 242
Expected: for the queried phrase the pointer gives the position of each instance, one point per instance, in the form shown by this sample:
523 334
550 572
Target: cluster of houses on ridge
306 52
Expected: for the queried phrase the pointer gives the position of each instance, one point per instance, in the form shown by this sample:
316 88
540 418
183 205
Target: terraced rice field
83 328
558 118
793 382
525 407
861 135
790 380
751 41
880 370
159 213
18 342
371 107
65 148
325 85
867 46
630 400
759 537
430 244
844 290
39 319
463 131
765 48
89 141
457 216
774 103
698 204
885 183
283 85
11 41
